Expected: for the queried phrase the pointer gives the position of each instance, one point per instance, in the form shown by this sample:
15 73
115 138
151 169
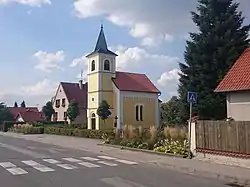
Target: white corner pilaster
193 137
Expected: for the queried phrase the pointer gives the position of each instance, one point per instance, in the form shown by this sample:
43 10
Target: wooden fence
231 137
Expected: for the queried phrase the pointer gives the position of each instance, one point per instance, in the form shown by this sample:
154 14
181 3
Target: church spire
101 45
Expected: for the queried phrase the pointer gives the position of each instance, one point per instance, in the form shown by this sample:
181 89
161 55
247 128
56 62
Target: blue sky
43 42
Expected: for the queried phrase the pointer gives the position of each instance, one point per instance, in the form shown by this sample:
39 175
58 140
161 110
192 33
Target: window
93 65
57 103
63 102
139 112
93 115
55 116
106 65
93 99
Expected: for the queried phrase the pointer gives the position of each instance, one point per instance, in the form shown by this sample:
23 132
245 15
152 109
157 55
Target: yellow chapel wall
150 108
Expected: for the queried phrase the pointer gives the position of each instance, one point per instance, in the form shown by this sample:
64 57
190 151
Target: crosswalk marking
37 166
16 171
107 163
7 165
90 158
106 157
126 162
89 165
67 166
51 161
71 159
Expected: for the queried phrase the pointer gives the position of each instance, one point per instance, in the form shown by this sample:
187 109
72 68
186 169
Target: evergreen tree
48 110
72 111
103 110
5 114
23 105
209 55
15 104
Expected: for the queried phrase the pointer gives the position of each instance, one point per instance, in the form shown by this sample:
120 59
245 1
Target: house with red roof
133 98
30 116
16 110
236 85
67 92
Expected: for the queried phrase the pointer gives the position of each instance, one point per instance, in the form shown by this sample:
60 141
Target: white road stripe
126 162
7 165
66 166
71 159
89 165
107 163
51 161
16 171
90 158
37 166
107 157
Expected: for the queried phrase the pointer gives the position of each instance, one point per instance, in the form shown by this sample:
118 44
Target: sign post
192 99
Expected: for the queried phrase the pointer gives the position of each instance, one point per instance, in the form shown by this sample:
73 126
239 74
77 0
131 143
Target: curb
140 150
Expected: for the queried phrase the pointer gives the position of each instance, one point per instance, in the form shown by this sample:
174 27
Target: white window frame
139 112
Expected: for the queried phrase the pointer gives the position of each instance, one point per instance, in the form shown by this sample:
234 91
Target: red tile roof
135 82
238 77
31 116
73 92
16 110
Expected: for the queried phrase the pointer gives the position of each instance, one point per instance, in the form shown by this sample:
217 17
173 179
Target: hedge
86 133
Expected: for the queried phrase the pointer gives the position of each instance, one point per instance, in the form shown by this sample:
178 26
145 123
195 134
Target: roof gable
135 82
73 92
238 77
31 116
15 110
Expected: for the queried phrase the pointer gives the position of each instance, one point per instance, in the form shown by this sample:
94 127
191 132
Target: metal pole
189 134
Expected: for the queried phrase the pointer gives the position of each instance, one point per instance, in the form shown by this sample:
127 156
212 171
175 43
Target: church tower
101 70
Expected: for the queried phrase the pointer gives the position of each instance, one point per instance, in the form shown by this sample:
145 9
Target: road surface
26 163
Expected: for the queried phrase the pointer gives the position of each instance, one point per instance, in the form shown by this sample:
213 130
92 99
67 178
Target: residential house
132 97
236 85
30 116
67 92
16 110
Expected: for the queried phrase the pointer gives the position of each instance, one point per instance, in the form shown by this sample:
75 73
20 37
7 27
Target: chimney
80 84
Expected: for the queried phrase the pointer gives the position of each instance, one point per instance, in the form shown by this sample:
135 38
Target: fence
228 137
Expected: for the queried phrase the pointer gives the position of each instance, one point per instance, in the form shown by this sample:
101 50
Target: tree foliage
15 104
103 110
23 104
209 55
5 114
170 112
48 110
72 111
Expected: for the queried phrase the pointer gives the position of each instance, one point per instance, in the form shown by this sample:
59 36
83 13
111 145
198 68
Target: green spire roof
101 45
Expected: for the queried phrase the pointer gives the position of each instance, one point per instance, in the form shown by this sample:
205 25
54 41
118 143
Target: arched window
106 65
93 65
137 112
141 113
93 115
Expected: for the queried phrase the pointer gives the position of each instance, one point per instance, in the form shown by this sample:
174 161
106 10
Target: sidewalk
194 166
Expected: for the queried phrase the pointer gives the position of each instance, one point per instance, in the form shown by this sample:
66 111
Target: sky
44 42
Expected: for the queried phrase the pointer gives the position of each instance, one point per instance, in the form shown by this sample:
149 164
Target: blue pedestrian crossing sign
192 97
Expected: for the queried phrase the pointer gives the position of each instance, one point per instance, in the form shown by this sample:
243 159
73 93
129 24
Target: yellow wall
93 82
129 111
93 104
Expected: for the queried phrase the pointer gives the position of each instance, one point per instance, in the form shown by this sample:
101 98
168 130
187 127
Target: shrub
27 129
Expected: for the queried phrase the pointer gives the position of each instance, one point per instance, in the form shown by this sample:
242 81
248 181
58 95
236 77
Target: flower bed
170 140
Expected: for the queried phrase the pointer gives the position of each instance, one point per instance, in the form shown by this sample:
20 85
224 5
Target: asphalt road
25 163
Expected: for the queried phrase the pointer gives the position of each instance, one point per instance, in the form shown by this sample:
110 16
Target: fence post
192 129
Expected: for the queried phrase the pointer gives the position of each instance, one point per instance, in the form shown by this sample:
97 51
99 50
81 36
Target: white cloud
83 64
43 88
135 57
146 19
48 61
169 77
34 3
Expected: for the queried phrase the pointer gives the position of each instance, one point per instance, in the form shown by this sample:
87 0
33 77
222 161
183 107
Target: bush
9 124
27 129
